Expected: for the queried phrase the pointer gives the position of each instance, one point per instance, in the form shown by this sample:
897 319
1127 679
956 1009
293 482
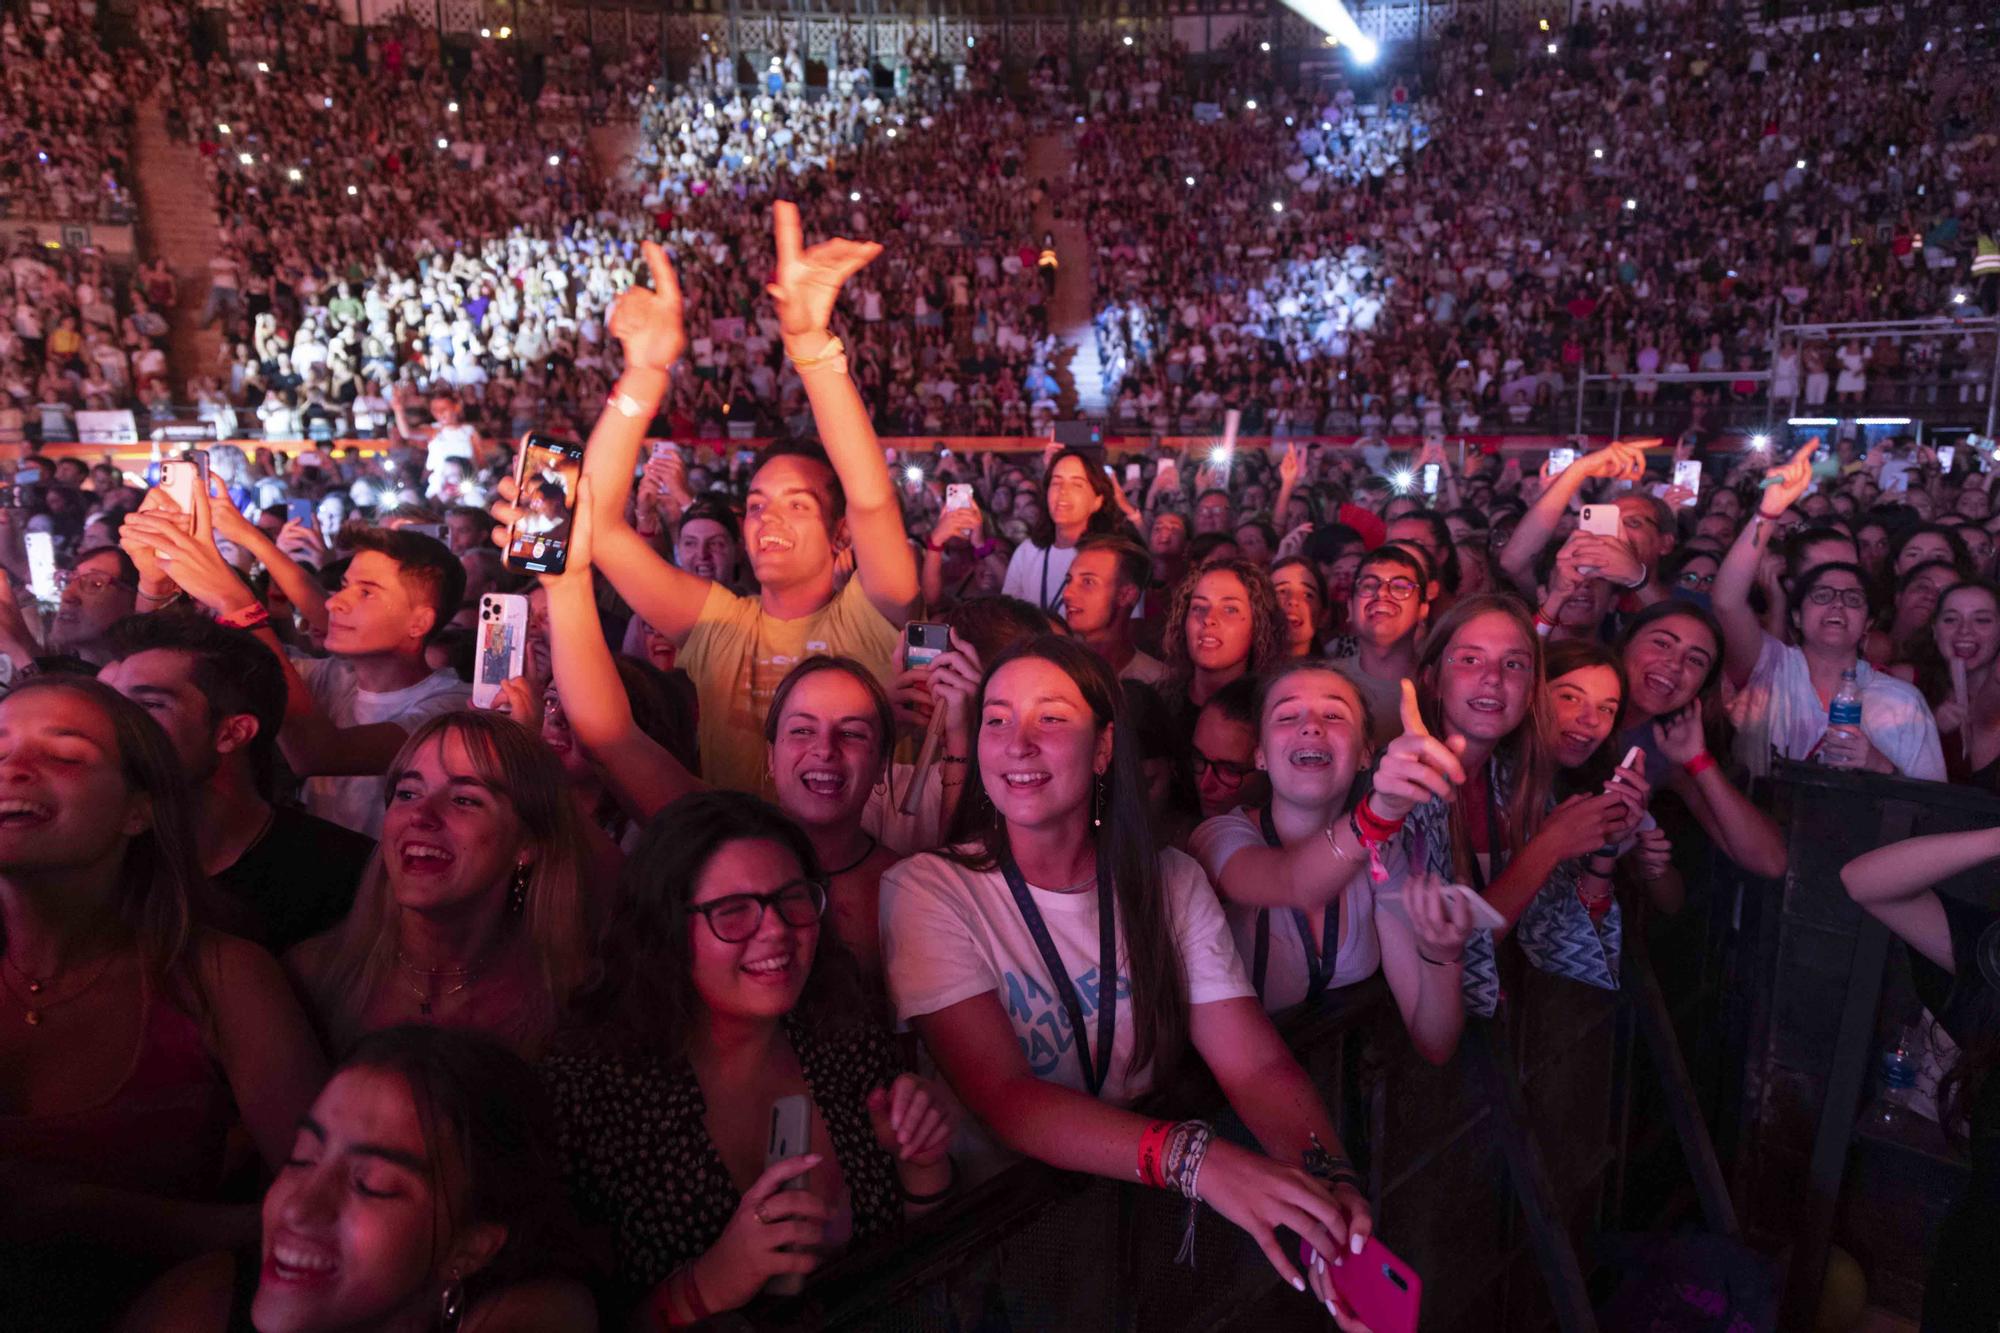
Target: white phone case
502 647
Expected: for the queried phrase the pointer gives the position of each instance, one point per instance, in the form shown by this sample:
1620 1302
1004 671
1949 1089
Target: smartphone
745 458
1430 479
1560 459
791 1136
958 495
503 645
10 496
1134 473
181 479
42 566
1171 470
666 449
1687 473
1945 454
1485 916
923 640
299 512
545 479
1602 521
1379 1289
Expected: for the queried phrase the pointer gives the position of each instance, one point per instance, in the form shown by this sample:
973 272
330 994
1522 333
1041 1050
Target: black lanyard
1094 1071
1048 554
1319 968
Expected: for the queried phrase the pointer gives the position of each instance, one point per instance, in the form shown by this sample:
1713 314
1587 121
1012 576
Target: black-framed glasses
1227 773
1401 590
1851 598
90 583
735 917
1690 579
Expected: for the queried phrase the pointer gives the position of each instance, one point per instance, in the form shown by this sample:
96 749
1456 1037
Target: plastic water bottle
1845 710
1892 1109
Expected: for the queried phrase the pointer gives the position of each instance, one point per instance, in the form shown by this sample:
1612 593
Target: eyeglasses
1690 579
1228 774
735 917
1401 590
90 583
1851 598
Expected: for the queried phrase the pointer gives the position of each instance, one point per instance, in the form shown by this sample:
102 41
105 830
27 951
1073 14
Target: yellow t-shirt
737 655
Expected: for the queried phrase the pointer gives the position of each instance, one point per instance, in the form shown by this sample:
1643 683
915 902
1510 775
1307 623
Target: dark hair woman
1079 498
421 1193
718 997
1052 890
136 1042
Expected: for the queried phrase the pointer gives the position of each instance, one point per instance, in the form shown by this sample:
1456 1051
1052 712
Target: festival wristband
253 616
1700 764
1152 1169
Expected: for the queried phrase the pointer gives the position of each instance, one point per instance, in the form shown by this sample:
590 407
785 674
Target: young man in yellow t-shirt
806 506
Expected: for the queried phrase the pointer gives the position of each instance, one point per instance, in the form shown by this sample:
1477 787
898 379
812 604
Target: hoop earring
1097 804
517 892
451 1303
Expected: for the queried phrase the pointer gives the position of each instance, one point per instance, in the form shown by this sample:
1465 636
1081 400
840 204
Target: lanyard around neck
1095 1071
1319 967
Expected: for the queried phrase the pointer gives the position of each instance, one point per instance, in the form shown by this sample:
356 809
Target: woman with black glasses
719 998
1785 689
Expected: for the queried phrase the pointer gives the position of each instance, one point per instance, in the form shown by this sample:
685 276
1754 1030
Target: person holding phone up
666 1086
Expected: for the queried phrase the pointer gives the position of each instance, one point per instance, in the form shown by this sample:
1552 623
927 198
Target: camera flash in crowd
1401 481
1760 442
913 474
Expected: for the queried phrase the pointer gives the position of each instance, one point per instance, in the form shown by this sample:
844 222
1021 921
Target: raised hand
1592 556
774 1231
1416 766
1621 460
648 323
1290 466
1784 484
1679 735
1438 917
808 282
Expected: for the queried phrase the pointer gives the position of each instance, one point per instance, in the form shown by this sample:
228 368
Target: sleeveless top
162 1132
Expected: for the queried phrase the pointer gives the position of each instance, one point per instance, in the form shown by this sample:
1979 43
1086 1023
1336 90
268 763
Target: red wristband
249 617
1153 1153
1700 764
1374 827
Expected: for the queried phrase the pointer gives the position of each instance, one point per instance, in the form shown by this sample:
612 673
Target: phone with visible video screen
545 481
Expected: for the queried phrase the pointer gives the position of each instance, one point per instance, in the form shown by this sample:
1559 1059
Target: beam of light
1331 17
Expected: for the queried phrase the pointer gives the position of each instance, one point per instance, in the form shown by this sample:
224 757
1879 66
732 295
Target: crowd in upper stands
1640 193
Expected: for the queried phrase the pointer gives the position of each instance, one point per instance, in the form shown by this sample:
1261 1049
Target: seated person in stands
1302 852
135 1043
220 697
805 507
1786 688
421 1192
477 910
719 995
349 713
1047 886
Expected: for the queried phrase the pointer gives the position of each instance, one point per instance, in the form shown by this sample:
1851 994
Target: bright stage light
1332 18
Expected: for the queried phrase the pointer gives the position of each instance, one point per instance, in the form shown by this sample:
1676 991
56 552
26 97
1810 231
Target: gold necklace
426 1001
33 1008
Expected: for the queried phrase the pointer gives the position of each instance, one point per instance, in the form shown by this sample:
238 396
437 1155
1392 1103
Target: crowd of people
1642 193
501 1003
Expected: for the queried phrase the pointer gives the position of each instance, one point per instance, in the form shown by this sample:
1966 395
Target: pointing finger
665 281
1413 717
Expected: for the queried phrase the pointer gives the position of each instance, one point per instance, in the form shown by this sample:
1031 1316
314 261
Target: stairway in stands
1078 368
178 221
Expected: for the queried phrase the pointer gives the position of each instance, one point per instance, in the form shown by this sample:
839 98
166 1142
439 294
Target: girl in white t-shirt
1302 852
997 951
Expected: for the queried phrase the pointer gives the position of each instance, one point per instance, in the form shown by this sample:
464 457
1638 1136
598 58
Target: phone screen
1430 479
1687 473
550 468
42 566
1560 459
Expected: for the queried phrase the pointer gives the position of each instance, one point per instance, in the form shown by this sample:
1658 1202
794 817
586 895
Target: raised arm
301 588
1742 634
1893 885
1626 461
807 285
1745 833
648 324
640 771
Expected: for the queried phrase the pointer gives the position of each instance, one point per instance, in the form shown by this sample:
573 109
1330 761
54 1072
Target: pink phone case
1379 1289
